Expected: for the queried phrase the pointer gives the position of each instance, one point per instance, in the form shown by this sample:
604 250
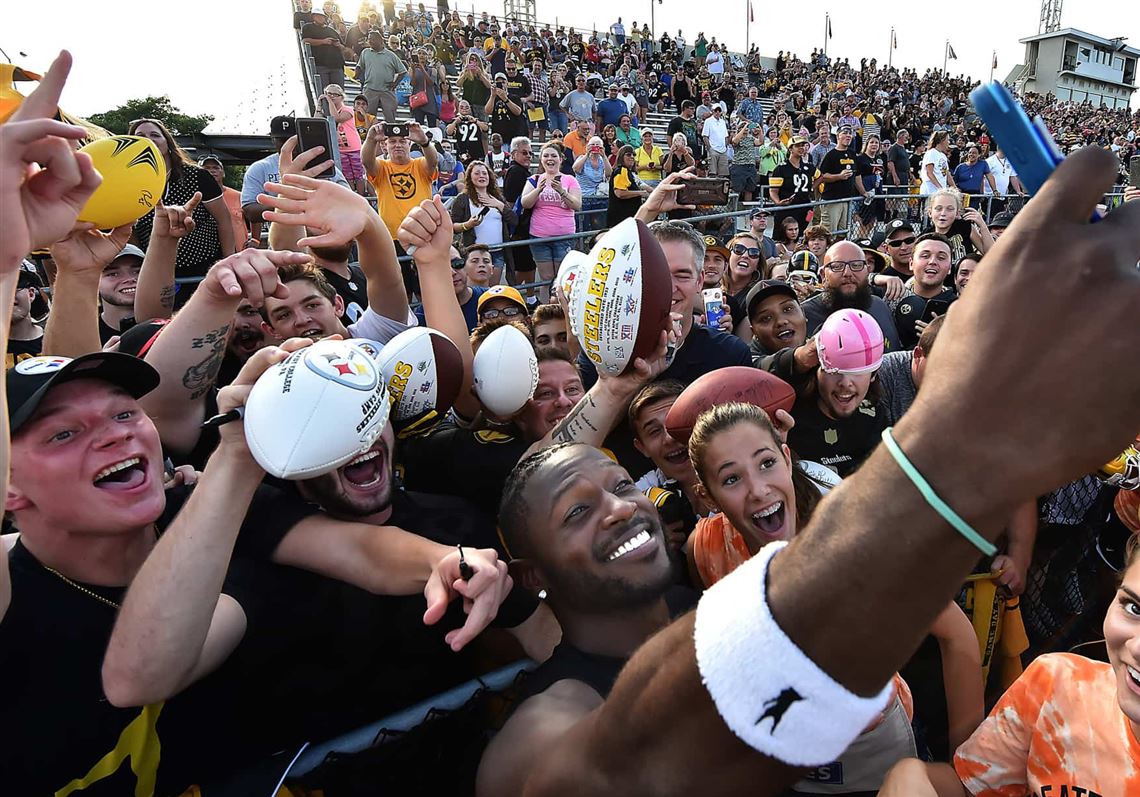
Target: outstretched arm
154 292
73 324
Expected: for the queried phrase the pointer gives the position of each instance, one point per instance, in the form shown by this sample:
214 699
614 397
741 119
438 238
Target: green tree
118 120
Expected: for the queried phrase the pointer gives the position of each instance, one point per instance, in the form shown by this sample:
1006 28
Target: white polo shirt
1002 171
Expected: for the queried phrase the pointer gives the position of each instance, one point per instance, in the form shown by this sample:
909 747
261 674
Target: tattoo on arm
201 377
166 297
576 422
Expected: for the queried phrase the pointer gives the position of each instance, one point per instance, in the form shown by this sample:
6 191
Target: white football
423 372
620 297
316 410
505 371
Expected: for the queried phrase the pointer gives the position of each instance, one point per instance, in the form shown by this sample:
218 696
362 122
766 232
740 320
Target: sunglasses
902 241
741 249
509 312
457 264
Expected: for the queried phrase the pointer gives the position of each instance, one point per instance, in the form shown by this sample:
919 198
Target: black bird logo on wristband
778 706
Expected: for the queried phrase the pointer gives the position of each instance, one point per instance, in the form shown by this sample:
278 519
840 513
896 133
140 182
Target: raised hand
338 213
175 221
249 274
429 229
308 163
88 249
44 182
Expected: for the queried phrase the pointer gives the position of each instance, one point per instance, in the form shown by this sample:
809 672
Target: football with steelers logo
620 297
423 371
316 410
134 178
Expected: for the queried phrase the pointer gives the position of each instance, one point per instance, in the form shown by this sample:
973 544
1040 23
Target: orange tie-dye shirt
1057 731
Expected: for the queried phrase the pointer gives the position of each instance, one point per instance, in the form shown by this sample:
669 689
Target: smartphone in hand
315 132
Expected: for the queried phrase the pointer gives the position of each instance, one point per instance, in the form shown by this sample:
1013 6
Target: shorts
552 251
351 166
743 178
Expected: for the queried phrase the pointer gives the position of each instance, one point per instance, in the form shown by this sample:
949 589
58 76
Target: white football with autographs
505 371
423 371
316 410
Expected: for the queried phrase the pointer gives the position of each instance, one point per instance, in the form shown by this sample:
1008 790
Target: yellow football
134 178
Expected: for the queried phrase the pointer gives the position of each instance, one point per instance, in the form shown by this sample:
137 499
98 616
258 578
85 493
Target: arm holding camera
368 150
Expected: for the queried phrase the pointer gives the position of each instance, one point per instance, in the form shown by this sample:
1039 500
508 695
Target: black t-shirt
577 51
469 143
898 155
960 242
52 641
354 292
840 444
867 168
456 461
106 331
514 180
790 181
202 248
503 121
323 54
835 162
20 350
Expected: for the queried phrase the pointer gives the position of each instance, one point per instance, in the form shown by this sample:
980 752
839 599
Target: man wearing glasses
502 301
846 283
900 247
790 183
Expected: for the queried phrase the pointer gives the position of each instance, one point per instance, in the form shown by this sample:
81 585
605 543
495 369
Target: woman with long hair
745 264
787 236
447 103
869 169
474 85
935 167
627 192
610 143
553 198
481 215
425 80
213 235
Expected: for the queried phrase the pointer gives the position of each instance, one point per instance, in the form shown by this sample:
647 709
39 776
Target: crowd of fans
170 615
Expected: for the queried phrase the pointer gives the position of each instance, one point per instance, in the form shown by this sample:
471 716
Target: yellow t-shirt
645 158
1059 727
399 189
489 42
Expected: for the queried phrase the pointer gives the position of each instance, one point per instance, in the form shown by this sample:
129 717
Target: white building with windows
1078 66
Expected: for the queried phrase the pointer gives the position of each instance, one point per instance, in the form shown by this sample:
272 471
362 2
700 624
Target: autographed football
316 410
505 371
423 371
724 385
620 297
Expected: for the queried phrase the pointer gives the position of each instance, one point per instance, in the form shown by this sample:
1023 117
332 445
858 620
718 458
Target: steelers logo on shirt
403 185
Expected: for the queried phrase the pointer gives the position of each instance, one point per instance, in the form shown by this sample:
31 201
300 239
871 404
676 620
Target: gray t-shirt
579 104
898 385
268 169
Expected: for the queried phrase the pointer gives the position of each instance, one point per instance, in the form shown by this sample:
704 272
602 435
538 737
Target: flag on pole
894 40
995 60
829 27
751 17
950 51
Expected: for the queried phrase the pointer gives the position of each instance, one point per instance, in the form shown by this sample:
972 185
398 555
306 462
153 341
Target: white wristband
768 692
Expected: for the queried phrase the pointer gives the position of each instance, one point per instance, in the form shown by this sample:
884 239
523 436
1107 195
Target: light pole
653 18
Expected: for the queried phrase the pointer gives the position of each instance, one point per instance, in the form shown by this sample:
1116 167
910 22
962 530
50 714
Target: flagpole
891 49
826 27
993 60
747 25
945 55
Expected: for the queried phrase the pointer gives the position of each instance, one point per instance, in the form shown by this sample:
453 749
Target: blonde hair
952 193
684 139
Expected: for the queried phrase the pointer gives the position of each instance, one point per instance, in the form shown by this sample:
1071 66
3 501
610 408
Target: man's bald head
848 287
844 250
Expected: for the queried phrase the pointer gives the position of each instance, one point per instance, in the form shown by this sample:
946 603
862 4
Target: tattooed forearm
570 428
201 377
166 297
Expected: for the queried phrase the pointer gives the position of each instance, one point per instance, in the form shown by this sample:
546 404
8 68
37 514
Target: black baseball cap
765 288
894 225
1002 220
137 340
30 380
757 211
282 127
29 276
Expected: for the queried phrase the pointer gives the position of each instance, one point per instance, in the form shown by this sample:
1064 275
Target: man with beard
930 297
117 286
846 274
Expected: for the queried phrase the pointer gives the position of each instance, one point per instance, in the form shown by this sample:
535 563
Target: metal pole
993 57
747 24
826 25
653 19
945 55
891 49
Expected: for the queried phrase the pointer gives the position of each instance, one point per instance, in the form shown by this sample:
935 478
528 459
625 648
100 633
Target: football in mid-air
620 297
134 179
505 371
724 385
423 371
316 410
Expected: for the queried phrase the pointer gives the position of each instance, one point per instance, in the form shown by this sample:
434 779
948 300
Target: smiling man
846 278
117 286
930 266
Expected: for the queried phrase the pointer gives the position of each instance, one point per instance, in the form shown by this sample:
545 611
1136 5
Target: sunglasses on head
741 249
902 241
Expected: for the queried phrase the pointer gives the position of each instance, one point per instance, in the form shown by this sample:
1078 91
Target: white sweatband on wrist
768 692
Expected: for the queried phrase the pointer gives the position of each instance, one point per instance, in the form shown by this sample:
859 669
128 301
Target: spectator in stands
627 134
448 106
25 333
626 189
361 117
379 70
935 166
824 144
326 45
1005 181
481 215
504 110
973 173
474 85
610 110
649 159
520 89
425 85
553 198
558 90
232 197
470 134
348 139
593 170
745 155
580 104
896 179
401 181
679 156
539 99
714 134
576 139
791 183
837 178
213 234
771 154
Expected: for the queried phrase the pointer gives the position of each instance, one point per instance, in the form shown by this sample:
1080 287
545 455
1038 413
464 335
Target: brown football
724 385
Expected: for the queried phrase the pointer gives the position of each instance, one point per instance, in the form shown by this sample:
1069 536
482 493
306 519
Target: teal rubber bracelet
939 506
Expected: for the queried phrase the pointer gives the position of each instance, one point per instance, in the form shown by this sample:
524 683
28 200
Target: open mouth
785 335
845 400
124 475
1133 676
364 471
316 333
130 291
676 456
930 272
637 542
769 521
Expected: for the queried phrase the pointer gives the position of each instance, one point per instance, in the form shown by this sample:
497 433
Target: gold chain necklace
82 589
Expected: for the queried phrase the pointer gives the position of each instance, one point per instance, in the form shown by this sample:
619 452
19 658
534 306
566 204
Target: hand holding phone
315 132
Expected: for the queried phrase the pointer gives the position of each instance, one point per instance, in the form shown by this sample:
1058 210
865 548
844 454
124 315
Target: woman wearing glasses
745 265
213 235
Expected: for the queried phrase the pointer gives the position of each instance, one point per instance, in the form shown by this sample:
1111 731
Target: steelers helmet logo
38 366
905 309
403 185
348 366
